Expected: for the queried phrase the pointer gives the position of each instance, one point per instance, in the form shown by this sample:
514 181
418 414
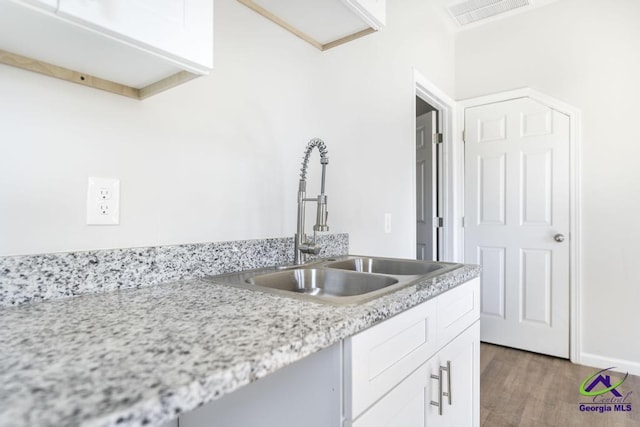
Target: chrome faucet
304 246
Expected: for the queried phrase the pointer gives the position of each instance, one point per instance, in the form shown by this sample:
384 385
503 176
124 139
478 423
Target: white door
517 222
426 204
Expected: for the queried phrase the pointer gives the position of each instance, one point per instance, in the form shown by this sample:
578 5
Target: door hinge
464 223
464 139
437 138
438 222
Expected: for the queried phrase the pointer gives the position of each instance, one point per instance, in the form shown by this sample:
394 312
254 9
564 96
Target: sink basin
345 281
315 281
387 266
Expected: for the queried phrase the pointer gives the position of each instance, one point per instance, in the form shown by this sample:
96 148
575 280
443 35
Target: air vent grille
475 10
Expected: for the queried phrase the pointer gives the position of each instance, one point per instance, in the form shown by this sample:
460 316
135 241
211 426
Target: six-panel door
517 222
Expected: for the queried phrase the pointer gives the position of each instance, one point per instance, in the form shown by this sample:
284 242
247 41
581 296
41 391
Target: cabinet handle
439 402
449 392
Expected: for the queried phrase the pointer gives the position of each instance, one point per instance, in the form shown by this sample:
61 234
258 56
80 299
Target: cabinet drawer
378 358
457 310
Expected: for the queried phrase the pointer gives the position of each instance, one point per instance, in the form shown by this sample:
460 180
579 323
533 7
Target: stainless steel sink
387 266
314 281
345 281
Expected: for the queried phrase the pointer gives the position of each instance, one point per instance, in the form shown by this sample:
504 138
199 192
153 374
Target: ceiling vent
476 10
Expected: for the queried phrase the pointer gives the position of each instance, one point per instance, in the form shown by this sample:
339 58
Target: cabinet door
404 406
378 358
182 29
460 394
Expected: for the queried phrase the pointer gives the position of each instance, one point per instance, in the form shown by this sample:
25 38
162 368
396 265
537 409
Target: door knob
559 237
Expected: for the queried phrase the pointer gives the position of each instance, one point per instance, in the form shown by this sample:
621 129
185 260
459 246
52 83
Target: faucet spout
302 245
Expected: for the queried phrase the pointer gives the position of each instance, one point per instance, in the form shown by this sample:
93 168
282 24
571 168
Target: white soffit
464 14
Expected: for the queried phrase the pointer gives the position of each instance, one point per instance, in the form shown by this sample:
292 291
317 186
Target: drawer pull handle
448 370
439 402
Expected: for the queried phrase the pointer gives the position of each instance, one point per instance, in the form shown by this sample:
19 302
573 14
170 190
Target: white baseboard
602 362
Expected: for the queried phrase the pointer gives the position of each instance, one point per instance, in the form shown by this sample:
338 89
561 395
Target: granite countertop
143 356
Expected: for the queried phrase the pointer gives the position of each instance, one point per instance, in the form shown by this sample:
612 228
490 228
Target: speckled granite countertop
142 356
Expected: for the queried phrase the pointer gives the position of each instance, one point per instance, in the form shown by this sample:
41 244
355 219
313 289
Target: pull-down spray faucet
302 244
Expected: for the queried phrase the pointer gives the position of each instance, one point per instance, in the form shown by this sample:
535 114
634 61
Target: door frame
575 199
450 173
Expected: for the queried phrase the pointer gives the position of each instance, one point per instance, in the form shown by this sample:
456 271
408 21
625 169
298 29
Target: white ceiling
481 6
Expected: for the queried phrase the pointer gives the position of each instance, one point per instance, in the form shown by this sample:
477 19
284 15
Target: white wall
218 158
367 111
585 53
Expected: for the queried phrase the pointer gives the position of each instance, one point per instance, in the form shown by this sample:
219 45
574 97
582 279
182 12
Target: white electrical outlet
387 223
104 193
103 201
104 208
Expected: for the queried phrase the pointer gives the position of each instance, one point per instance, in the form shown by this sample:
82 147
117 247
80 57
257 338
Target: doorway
428 167
445 185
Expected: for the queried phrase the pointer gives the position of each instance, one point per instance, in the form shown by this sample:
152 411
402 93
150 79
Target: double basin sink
344 281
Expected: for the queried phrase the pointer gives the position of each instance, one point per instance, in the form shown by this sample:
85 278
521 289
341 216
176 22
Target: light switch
387 223
103 201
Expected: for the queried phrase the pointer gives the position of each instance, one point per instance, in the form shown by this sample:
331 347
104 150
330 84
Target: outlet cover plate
103 201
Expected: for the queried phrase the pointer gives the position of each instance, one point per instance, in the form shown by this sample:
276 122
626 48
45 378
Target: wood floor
525 389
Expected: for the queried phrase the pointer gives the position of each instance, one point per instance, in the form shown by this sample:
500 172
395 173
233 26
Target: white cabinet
443 391
176 28
458 364
323 23
377 359
135 48
403 406
396 372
